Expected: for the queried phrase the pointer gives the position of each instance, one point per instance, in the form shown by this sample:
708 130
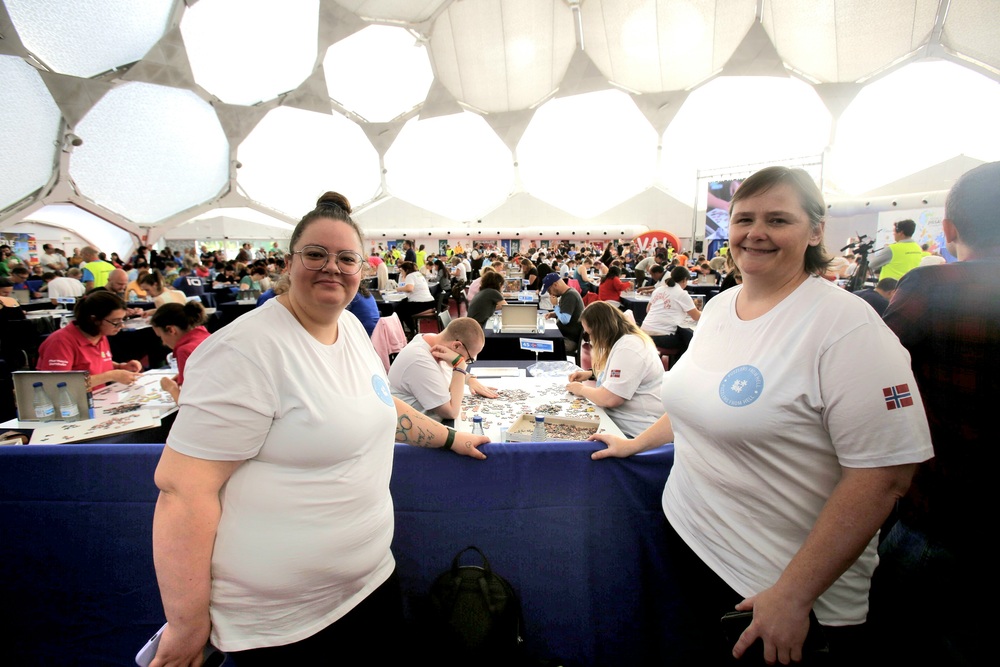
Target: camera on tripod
860 246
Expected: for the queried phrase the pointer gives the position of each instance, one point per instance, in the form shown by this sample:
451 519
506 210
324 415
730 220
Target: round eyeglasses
315 258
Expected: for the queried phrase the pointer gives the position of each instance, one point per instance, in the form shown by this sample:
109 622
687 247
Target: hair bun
334 199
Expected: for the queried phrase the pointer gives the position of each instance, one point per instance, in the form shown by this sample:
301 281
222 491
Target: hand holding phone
212 657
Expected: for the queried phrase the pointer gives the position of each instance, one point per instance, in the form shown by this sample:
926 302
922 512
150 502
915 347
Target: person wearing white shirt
64 287
51 260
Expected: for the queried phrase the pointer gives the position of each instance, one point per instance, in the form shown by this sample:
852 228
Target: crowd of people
804 419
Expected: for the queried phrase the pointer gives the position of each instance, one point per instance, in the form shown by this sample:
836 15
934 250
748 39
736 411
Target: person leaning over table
627 369
82 345
668 310
789 451
488 298
418 294
180 327
653 280
567 310
431 372
155 287
272 531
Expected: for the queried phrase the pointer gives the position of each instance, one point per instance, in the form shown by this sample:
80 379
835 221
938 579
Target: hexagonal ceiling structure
437 114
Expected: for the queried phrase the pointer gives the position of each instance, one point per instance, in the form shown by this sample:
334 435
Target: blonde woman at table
153 283
789 452
670 308
82 345
180 328
627 369
272 532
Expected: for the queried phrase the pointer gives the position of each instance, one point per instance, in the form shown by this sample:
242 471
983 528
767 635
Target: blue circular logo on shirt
741 386
381 388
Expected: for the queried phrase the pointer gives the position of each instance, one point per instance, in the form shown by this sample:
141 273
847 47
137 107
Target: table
548 392
637 303
583 543
508 345
229 311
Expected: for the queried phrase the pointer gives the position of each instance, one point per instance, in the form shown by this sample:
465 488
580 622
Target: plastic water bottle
68 410
538 435
477 425
541 321
496 322
44 409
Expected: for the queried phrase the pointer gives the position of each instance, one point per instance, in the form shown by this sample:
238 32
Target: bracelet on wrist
450 440
456 369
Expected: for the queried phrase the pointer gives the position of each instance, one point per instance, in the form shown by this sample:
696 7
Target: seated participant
668 309
489 297
83 345
653 280
62 287
10 308
153 284
477 284
627 369
879 297
133 291
612 286
567 310
418 294
530 273
431 372
364 307
180 327
707 275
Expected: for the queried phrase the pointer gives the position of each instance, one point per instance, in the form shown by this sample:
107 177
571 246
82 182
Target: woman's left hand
575 388
779 622
467 444
479 389
580 376
132 365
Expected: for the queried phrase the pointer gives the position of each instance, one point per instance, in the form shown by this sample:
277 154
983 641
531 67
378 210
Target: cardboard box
566 429
77 382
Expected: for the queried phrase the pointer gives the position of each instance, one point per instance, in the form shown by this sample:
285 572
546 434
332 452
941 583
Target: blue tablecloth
582 542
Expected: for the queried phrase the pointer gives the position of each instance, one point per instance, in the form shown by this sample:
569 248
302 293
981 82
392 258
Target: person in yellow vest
897 259
95 270
421 257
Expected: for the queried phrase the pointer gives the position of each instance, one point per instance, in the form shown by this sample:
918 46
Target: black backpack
475 616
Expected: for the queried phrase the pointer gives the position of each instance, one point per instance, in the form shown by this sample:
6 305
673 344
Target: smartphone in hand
212 656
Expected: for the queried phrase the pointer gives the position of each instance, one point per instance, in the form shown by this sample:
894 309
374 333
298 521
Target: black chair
19 341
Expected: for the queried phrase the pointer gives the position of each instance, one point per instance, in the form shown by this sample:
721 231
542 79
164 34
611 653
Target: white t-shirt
55 258
307 520
459 272
419 379
668 309
62 287
421 292
765 413
634 372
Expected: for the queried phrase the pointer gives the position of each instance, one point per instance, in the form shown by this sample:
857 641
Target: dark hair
492 280
678 275
972 206
657 268
409 267
905 227
184 316
887 284
816 258
613 272
97 305
332 206
20 270
49 275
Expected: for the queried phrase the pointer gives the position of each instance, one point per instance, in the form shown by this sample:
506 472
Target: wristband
456 361
459 370
450 440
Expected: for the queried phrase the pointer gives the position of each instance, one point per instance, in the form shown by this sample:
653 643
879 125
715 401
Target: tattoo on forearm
410 431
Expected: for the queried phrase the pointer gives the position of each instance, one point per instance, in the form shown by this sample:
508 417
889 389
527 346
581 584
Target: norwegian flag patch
616 374
897 397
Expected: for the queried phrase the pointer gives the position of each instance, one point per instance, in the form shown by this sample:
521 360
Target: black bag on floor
475 616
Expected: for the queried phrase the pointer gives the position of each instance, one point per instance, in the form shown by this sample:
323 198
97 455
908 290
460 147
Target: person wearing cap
567 311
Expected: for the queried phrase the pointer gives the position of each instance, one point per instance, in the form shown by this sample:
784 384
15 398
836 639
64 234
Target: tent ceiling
153 112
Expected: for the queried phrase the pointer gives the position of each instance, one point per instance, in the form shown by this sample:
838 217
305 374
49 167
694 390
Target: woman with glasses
418 294
272 531
82 345
627 370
